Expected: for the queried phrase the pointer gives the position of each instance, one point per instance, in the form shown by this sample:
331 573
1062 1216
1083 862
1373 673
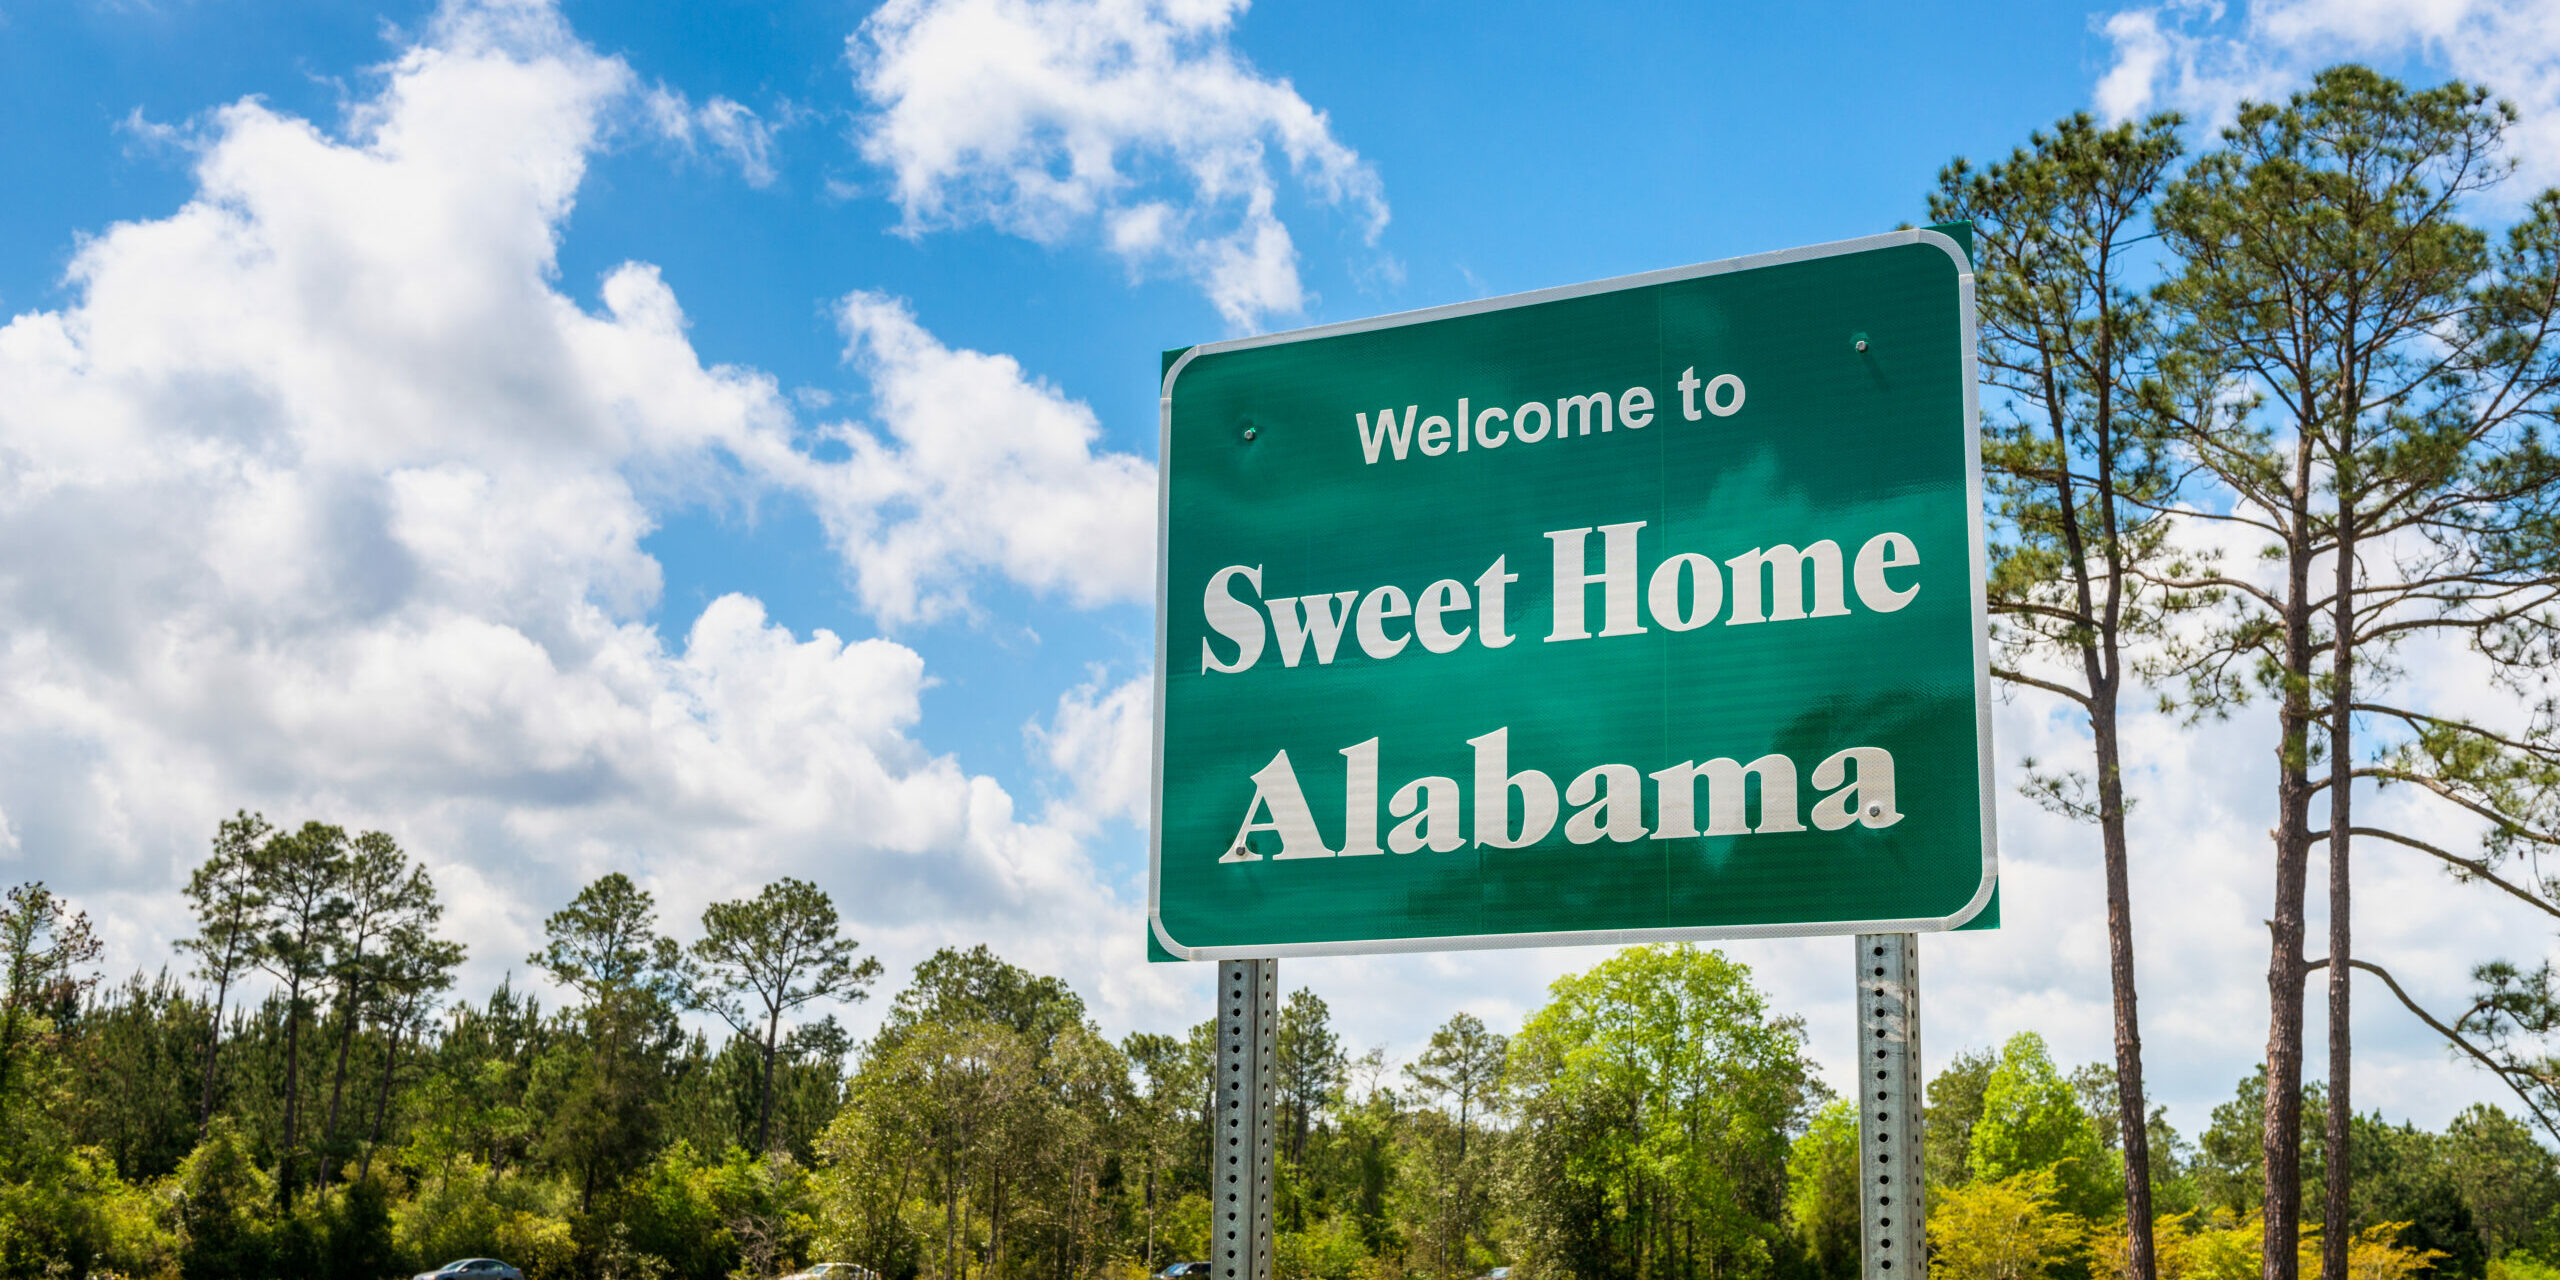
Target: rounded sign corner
1181 363
1954 251
1155 925
1982 897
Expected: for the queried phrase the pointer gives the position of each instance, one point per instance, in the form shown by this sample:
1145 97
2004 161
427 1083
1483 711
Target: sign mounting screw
1860 340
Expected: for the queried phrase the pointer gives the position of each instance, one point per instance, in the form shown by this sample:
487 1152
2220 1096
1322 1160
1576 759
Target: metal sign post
1248 1049
1895 1243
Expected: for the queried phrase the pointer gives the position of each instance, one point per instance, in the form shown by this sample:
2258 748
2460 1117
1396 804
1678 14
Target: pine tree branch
2212 580
2019 677
2475 868
2451 1036
2431 784
2420 718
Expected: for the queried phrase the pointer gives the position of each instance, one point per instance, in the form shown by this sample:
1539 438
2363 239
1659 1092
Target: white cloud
729 128
2141 50
2204 59
971 463
1102 741
321 498
1135 118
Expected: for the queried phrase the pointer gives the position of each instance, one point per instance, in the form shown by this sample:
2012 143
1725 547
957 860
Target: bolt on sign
1644 609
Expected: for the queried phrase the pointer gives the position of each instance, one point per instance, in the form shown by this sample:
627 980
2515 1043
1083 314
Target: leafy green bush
464 1210
225 1210
74 1215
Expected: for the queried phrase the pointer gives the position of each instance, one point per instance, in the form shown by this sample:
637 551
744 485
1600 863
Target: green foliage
463 1209
979 1130
1653 1121
602 1089
1448 1177
2032 1121
1332 1250
138 1050
1822 1190
769 955
2230 1163
2522 1266
1954 1107
226 1209
2405 1176
1173 1077
2008 1228
952 987
2509 1181
45 951
1654 1095
1310 1065
72 1214
671 1212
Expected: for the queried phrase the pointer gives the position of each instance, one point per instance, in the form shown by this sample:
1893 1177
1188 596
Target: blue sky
1516 156
353 465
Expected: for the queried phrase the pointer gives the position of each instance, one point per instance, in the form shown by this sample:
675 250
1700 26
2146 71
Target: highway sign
1644 609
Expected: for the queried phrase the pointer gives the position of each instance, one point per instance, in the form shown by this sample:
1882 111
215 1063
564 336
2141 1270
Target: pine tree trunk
292 1083
2104 660
381 1103
212 1043
951 1226
2280 1139
764 1093
337 1092
8 1043
2339 1172
2140 1261
995 1230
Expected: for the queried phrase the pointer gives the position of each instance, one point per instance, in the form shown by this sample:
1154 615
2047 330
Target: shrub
225 1210
2004 1229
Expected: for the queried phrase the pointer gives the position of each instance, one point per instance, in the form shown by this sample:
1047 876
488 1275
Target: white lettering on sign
1387 437
1513 810
1617 579
1686 590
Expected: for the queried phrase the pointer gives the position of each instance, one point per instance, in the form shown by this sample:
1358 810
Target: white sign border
1597 937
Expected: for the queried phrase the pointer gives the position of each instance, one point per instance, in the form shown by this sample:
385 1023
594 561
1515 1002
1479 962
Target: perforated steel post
1894 1245
1248 1052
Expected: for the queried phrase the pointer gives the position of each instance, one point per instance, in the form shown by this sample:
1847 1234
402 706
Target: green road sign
1636 610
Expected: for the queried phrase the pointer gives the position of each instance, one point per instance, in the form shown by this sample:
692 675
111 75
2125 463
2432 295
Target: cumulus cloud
2204 59
1102 741
1133 120
321 497
968 462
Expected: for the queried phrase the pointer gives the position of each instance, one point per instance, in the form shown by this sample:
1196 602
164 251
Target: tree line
1655 1119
